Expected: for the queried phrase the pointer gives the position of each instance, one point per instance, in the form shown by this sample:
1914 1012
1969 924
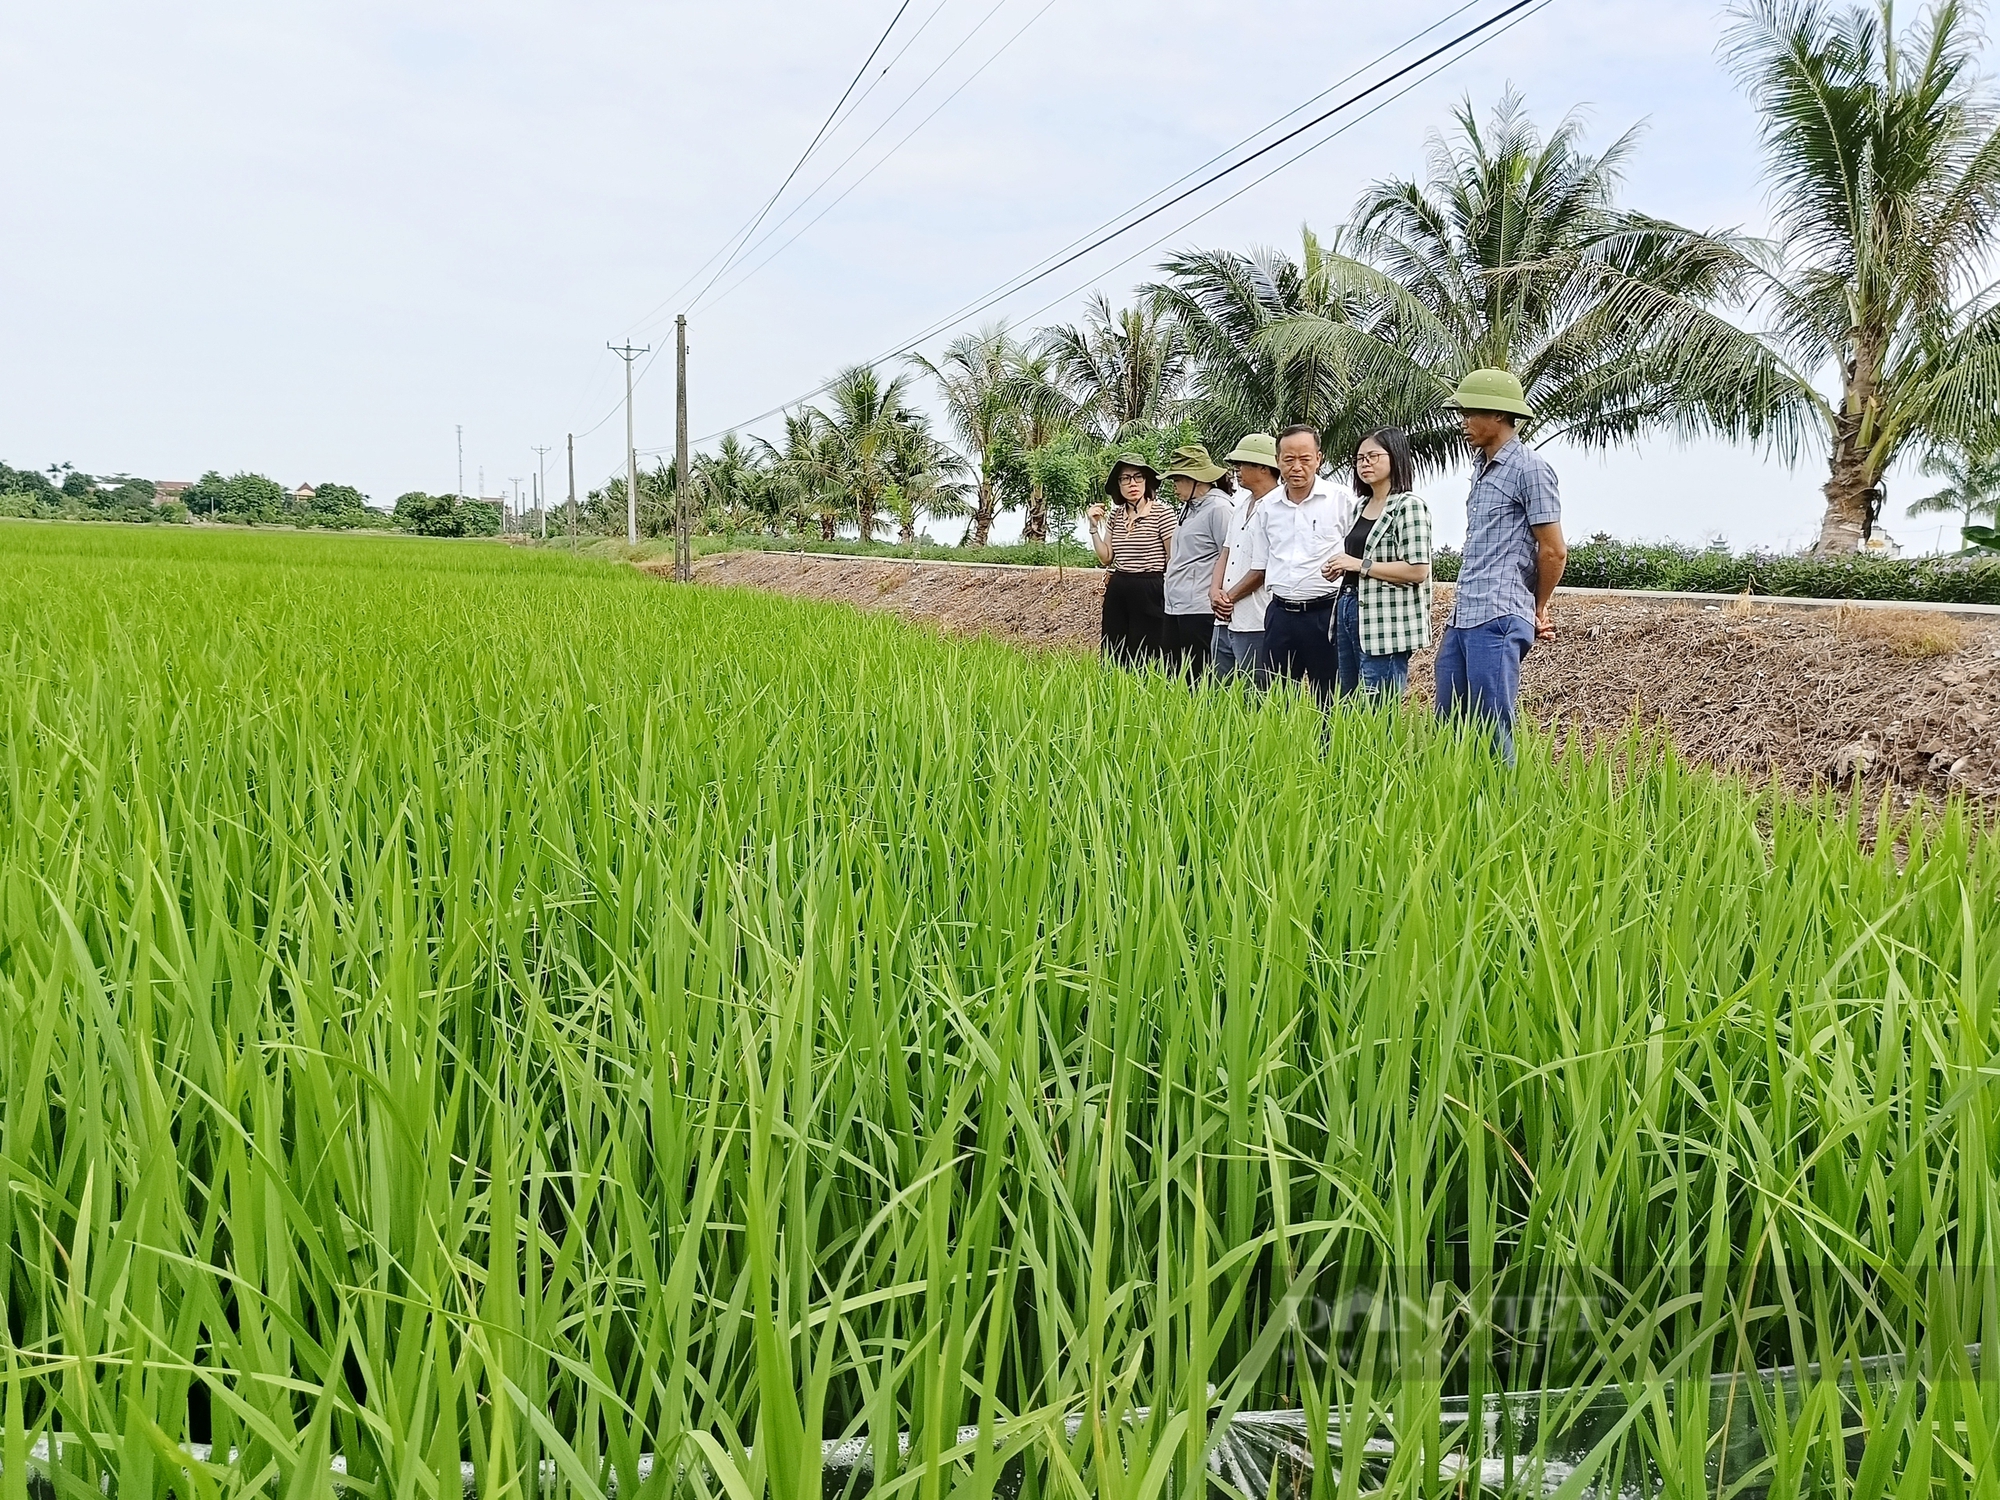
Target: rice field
471 1008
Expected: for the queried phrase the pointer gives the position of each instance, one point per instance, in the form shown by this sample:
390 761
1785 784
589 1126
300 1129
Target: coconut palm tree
806 473
1884 159
926 478
976 376
1044 413
1512 252
1220 305
869 419
1974 487
731 481
1122 368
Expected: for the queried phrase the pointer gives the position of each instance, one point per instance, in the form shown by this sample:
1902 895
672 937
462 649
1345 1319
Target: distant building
170 489
303 496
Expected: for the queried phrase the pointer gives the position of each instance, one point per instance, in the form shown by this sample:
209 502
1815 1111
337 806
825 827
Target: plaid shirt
1512 492
1396 617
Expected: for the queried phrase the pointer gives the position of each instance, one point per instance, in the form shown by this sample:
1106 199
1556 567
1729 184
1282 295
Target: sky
315 240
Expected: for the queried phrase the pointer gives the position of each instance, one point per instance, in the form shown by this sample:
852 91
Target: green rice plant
470 1007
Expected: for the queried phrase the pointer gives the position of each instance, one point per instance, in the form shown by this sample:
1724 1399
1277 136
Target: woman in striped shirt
1135 542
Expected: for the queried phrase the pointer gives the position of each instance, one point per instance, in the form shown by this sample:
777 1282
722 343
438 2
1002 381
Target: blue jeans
1299 644
1479 675
1363 671
1234 651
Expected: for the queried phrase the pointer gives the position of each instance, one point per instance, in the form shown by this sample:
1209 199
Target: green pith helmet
1129 461
1256 448
1491 390
1192 462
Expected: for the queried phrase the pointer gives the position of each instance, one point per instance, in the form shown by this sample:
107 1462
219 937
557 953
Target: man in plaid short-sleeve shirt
1514 556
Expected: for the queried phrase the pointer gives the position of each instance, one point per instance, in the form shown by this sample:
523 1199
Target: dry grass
1914 633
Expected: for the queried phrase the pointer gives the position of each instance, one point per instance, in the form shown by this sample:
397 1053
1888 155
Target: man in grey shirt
1514 556
1199 538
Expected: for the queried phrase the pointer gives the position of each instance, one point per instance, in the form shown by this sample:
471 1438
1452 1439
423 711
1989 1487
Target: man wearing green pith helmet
1513 559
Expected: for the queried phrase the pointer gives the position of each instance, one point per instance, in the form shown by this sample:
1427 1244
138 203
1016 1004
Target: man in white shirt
1237 597
1300 527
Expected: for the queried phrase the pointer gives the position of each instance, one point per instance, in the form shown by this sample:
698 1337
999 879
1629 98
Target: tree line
1860 330
64 492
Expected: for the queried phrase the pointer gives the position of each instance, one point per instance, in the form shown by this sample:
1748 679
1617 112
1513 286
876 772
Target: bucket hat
1128 461
1256 448
1491 390
1192 462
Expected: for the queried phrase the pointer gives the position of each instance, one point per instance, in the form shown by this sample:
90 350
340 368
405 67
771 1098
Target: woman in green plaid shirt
1383 612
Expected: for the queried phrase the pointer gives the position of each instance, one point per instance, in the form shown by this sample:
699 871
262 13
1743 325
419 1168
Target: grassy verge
1070 553
462 1007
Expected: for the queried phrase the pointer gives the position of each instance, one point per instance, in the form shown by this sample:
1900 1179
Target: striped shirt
1142 544
1513 492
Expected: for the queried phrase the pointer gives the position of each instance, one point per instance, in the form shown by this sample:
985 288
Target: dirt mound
1903 699
1030 606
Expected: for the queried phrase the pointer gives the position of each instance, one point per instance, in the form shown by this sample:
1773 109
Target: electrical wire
910 98
1372 63
812 146
1521 10
640 375
750 227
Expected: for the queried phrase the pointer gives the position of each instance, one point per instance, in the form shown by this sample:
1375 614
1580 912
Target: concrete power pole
628 354
572 489
683 546
542 486
461 460
517 506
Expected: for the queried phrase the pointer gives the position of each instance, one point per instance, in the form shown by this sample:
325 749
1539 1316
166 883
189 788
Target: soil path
1898 699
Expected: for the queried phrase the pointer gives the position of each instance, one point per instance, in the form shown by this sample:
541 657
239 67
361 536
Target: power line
1537 6
901 52
653 313
883 161
1227 150
1022 282
742 236
811 147
1024 277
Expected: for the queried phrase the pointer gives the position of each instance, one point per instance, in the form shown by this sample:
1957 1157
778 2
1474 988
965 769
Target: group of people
1260 564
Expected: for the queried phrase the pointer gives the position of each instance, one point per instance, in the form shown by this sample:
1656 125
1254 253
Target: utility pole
517 503
572 490
542 486
683 547
628 354
461 460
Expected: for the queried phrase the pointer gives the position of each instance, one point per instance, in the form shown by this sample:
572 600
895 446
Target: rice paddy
474 1008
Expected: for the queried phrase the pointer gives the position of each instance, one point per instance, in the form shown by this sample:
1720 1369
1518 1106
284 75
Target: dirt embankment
1898 699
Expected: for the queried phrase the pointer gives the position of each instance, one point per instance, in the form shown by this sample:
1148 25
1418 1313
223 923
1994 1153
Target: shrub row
1605 563
58 506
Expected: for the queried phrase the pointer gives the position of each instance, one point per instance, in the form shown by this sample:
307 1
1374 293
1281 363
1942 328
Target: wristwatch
1367 566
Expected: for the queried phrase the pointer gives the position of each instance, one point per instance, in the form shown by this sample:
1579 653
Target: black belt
1305 606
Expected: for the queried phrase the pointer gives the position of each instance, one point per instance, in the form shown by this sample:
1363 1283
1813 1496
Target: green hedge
57 506
1604 563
